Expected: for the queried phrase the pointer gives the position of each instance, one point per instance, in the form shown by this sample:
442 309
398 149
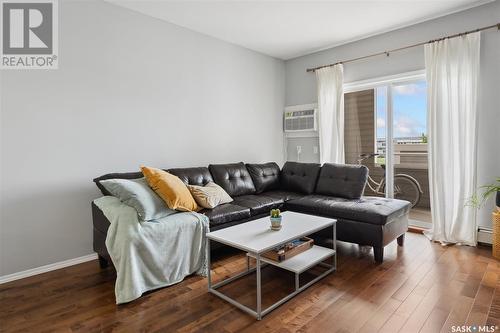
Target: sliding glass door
386 130
409 123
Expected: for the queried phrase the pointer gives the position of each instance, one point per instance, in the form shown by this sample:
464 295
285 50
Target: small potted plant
478 200
275 219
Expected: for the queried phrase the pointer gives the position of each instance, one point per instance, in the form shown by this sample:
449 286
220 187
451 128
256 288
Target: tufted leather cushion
342 180
226 213
258 204
234 178
373 210
193 176
299 177
265 176
283 195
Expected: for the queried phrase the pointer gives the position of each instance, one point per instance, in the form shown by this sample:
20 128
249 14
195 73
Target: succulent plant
275 213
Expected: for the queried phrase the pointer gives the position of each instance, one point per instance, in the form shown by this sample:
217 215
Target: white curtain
330 82
452 67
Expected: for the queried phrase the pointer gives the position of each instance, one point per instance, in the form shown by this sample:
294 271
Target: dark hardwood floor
421 287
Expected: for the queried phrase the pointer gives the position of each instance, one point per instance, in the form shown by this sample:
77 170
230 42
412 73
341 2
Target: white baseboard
484 236
47 268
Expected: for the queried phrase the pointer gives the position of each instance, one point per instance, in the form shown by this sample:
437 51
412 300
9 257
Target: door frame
389 81
383 80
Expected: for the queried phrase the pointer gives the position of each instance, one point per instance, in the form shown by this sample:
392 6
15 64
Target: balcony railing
408 156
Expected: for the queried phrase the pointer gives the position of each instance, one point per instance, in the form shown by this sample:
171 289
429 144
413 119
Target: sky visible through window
410 110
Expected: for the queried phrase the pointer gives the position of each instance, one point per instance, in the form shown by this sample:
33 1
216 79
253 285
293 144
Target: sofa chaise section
371 221
368 221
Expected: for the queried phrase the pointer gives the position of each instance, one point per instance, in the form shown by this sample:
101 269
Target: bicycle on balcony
406 187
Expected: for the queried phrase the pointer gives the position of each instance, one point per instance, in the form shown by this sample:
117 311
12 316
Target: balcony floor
421 215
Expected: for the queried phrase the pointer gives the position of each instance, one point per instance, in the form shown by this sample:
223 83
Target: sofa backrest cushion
266 176
342 180
234 178
193 176
299 177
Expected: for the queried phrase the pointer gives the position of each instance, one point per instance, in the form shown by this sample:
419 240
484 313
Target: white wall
129 90
301 86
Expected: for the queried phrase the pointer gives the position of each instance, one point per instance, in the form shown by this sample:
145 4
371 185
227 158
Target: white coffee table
256 237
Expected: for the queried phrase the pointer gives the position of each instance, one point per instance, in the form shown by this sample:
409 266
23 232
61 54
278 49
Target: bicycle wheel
406 189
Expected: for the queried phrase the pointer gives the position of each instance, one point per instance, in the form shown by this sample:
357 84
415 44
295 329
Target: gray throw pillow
137 194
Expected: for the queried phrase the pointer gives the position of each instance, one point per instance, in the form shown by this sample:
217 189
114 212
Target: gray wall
309 149
301 86
129 90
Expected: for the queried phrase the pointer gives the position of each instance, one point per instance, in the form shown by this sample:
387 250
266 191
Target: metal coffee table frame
261 262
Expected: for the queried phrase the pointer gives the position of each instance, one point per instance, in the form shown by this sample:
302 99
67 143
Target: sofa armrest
99 220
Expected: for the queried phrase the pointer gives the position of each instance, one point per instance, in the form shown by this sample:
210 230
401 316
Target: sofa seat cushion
258 204
373 210
283 195
226 213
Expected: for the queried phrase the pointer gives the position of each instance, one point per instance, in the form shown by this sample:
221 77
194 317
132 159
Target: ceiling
287 29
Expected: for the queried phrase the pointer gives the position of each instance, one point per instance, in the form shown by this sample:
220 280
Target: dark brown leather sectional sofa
331 190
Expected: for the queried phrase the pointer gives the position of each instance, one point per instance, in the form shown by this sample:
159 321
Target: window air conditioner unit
300 121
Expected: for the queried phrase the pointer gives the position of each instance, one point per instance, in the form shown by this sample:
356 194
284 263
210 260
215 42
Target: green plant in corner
477 201
484 192
275 213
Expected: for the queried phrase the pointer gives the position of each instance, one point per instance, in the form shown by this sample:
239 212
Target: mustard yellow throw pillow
170 188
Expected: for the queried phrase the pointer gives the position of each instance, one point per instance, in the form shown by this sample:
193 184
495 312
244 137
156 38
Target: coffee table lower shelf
316 255
303 261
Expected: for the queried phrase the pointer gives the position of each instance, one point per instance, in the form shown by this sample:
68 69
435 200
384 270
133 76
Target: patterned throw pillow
209 196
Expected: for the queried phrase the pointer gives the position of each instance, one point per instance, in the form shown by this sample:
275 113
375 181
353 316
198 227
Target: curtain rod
406 47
